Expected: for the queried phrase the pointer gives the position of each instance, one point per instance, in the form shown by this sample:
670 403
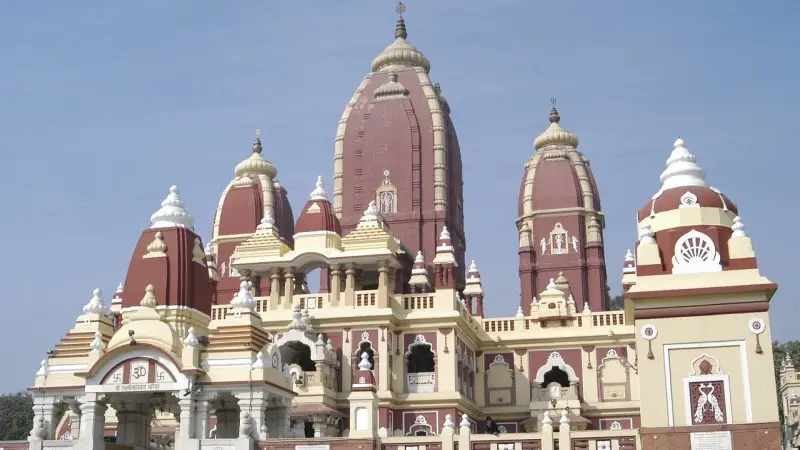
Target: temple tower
396 145
560 224
700 307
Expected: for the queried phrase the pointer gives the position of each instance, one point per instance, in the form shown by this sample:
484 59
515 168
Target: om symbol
139 372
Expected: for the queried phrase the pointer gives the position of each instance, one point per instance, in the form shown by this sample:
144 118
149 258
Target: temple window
421 366
299 354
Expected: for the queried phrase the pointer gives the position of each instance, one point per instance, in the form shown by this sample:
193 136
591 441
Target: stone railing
546 439
417 301
525 325
421 382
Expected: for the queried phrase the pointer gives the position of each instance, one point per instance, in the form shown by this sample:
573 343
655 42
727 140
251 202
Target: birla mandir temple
217 343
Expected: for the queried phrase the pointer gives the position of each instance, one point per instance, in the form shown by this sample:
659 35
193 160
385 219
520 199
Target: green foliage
16 416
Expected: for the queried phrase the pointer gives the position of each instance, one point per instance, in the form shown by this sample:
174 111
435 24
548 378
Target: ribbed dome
555 134
256 164
400 53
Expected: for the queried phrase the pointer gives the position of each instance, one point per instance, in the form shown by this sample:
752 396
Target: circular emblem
275 360
649 332
756 326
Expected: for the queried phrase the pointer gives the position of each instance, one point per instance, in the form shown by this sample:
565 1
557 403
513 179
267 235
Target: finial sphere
400 9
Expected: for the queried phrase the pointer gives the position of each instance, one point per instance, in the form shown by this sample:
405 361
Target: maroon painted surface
556 186
178 280
397 135
322 220
671 199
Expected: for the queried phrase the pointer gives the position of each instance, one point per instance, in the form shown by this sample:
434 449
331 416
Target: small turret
474 289
419 275
445 262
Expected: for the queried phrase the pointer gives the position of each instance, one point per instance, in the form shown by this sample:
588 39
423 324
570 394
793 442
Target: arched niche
555 360
364 345
420 355
299 353
420 427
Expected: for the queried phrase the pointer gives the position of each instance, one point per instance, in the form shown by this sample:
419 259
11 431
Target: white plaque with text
313 447
711 440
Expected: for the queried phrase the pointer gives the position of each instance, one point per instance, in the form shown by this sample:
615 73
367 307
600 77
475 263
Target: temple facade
219 343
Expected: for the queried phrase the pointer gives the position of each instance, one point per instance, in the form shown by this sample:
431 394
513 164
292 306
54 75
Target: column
350 285
288 287
479 299
282 413
45 406
256 404
336 284
186 419
275 288
93 421
202 419
75 425
383 284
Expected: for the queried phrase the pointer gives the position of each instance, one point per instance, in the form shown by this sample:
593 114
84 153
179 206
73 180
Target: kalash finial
400 30
554 117
257 142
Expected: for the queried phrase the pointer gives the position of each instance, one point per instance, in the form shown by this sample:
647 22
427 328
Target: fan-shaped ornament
695 252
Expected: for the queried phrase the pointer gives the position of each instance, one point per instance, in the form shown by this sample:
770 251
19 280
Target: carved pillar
256 405
45 406
479 300
383 285
93 421
350 285
336 284
187 423
275 288
203 419
468 303
288 287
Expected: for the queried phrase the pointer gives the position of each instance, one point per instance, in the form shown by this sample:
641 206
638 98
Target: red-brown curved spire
396 145
170 256
560 222
254 191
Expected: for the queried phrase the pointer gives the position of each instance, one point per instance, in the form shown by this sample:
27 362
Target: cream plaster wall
751 391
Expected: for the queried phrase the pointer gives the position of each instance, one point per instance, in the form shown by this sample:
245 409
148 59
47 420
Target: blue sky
103 106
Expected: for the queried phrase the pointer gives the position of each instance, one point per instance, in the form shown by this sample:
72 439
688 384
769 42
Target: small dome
400 53
256 164
318 213
555 134
684 186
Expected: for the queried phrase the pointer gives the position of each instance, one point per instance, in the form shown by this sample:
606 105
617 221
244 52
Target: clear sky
104 105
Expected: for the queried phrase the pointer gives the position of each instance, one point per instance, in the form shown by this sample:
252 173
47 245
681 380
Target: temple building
218 342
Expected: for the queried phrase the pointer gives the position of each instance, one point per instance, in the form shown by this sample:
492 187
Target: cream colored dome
400 53
256 164
555 134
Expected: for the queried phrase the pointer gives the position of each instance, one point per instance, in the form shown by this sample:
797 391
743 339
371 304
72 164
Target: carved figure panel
708 400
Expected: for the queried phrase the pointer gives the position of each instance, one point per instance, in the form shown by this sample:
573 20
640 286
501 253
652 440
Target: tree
16 416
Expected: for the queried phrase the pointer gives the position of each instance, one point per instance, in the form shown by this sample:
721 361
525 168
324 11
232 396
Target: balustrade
421 382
